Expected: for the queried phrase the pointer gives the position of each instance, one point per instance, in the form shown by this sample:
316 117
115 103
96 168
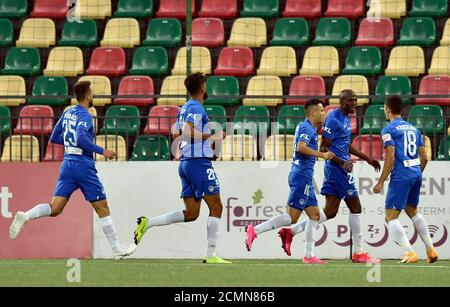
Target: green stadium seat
22 62
6 32
363 61
251 119
164 32
260 8
333 32
151 148
122 120
392 86
5 120
418 31
79 34
444 149
429 8
217 114
134 8
13 8
293 32
222 86
289 117
150 61
429 119
374 120
49 86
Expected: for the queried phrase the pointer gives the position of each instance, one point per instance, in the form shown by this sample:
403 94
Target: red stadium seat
135 85
107 62
235 62
345 8
35 120
55 9
161 119
219 8
54 152
306 86
434 85
353 119
303 8
208 32
371 145
375 32
174 8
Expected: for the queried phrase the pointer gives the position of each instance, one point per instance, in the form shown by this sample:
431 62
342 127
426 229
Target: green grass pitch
253 273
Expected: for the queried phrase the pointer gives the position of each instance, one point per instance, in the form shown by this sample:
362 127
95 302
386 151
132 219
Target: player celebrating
302 196
75 131
406 159
198 178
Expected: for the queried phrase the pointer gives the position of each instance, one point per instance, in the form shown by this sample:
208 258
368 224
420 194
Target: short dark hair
194 83
81 90
311 103
394 103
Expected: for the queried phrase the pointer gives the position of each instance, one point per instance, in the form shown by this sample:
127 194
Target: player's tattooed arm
303 149
387 169
423 157
324 147
376 165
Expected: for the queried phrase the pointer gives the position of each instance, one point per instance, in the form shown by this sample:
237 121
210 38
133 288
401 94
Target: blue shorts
403 192
81 175
198 178
338 182
302 193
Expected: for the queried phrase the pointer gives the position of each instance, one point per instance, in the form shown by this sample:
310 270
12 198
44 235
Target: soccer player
406 159
75 131
339 181
198 178
302 196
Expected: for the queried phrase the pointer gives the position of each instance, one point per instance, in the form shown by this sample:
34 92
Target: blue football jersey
305 132
338 129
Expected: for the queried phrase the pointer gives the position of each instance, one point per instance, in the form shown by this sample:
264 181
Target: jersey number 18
410 143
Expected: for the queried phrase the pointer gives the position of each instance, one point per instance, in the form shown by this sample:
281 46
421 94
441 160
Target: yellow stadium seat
12 86
100 86
445 41
173 85
65 62
264 86
320 61
37 32
21 148
115 143
440 62
248 32
201 61
121 32
239 148
358 84
406 61
428 147
278 61
387 8
91 111
95 9
279 148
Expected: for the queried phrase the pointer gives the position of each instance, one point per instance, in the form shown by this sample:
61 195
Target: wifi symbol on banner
433 229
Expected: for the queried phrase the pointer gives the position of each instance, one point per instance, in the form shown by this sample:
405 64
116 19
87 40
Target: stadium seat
406 61
239 148
374 120
55 9
6 32
173 85
95 9
65 62
321 61
440 62
208 32
13 9
303 8
444 149
100 85
371 145
445 41
174 8
260 8
163 32
54 152
358 84
363 61
387 8
121 32
217 114
306 86
37 32
112 142
418 31
378 32
251 120
235 62
161 119
353 118
93 112
434 85
107 62
12 86
135 85
429 119
293 32
428 148
81 33
345 8
248 32
264 86
278 61
151 148
122 120
289 117
21 148
333 32
49 86
392 86
5 120
429 8
201 61
134 8
279 148
22 62
150 61
35 120
219 9
222 86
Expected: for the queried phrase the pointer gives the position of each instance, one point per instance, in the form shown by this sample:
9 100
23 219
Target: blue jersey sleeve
421 142
388 138
330 128
306 134
57 134
83 141
195 115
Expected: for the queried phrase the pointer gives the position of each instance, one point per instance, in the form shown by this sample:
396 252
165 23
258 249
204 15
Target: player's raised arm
376 165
